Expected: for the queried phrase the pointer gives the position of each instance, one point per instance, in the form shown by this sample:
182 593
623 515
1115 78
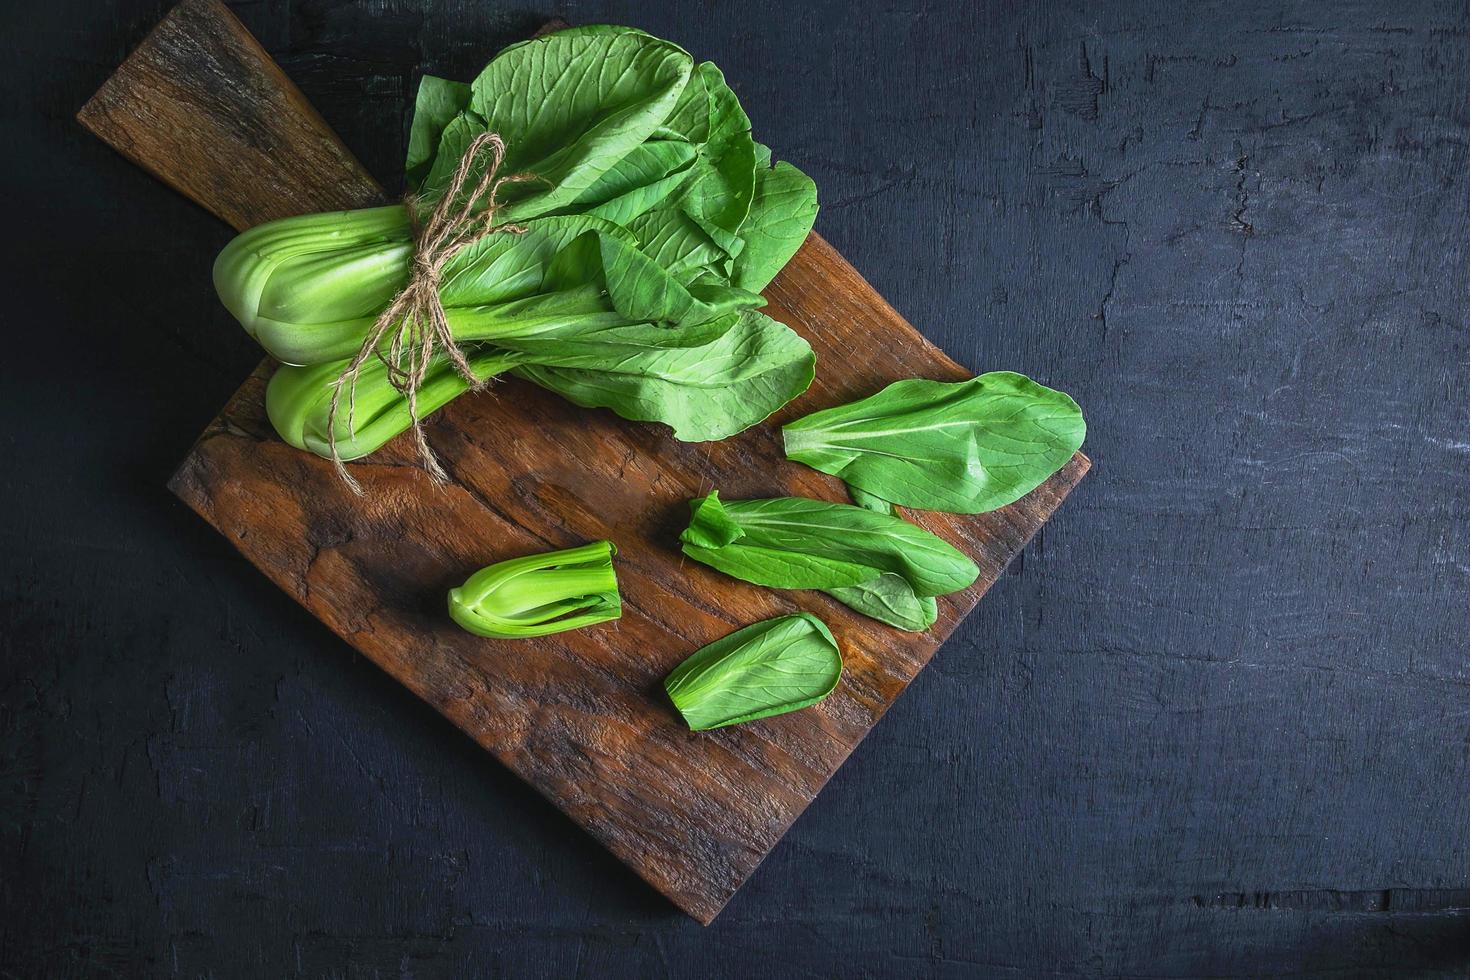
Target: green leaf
690 117
672 239
719 198
618 346
576 30
890 599
797 543
569 106
640 181
704 393
781 216
540 594
965 447
508 266
439 101
765 669
869 501
781 567
640 288
709 525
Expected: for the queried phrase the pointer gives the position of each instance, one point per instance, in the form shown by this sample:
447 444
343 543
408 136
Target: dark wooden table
1217 722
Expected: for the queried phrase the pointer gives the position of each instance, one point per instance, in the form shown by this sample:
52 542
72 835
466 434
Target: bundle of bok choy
620 269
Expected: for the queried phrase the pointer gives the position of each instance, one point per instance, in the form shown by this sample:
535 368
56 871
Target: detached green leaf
890 599
540 594
878 564
965 447
768 668
797 543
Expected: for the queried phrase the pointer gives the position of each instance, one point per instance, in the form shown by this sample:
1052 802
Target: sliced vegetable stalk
765 669
880 565
298 401
540 594
964 447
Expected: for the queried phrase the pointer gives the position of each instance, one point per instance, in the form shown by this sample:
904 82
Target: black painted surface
1216 723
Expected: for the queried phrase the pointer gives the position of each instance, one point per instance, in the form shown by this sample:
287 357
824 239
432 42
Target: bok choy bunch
624 274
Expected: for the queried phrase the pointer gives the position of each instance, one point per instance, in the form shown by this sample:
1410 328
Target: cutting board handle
202 106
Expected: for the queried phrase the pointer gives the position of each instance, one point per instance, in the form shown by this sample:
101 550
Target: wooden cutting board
580 716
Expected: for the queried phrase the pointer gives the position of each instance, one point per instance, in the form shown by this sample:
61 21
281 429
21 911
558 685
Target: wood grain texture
201 106
580 716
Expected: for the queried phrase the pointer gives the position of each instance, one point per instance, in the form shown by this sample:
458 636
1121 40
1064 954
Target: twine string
414 328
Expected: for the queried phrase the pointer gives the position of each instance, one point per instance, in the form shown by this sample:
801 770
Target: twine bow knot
414 325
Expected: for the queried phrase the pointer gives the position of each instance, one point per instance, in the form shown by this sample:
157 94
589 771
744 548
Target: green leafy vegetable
877 563
719 198
767 668
653 221
887 598
965 447
540 594
890 599
562 270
